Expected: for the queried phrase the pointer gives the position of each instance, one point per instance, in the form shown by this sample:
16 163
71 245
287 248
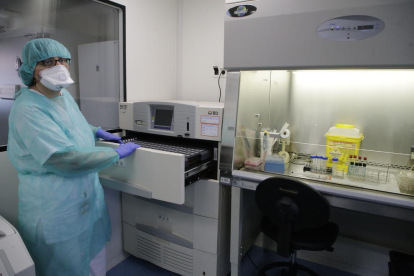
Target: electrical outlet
219 70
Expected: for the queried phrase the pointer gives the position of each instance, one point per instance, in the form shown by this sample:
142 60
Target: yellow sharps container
341 142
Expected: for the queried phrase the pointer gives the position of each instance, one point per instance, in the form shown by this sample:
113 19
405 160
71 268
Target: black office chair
296 217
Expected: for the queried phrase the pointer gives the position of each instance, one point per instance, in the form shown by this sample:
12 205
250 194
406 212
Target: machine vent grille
164 256
178 260
148 249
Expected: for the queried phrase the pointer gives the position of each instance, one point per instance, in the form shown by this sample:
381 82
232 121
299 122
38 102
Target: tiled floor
134 266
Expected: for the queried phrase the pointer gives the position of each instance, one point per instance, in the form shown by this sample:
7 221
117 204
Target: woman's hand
108 136
126 149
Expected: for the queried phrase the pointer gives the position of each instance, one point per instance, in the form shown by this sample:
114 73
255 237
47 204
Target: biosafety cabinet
175 213
323 92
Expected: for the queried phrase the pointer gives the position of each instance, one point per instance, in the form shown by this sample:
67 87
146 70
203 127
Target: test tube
350 163
335 166
318 163
323 164
359 168
314 165
364 167
353 166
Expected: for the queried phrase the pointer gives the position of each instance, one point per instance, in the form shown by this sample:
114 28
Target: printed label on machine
225 180
210 120
209 130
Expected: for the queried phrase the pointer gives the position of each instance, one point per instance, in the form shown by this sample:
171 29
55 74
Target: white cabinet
189 239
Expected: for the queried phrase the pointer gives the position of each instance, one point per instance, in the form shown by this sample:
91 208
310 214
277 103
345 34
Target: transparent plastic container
341 141
337 172
253 163
274 164
318 164
334 166
405 181
323 162
314 163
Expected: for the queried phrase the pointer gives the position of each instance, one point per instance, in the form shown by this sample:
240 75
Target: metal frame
228 132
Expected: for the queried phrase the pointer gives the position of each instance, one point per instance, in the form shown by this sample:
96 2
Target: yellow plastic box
341 142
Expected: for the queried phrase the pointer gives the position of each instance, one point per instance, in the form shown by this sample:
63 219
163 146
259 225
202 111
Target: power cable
218 82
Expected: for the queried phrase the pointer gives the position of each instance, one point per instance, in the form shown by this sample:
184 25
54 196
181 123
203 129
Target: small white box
7 91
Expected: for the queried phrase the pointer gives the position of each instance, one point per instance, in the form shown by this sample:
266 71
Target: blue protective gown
62 214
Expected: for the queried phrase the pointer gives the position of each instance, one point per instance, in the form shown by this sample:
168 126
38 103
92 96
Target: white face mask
55 78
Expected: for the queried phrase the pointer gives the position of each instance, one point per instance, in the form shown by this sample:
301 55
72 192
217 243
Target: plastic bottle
318 163
335 166
323 164
314 165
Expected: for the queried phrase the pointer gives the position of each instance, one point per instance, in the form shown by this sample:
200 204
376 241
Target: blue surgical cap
37 50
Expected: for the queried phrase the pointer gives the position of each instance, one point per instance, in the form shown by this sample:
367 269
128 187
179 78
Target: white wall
171 48
202 48
151 64
151 49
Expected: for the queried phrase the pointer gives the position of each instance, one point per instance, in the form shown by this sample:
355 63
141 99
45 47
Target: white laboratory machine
14 257
175 213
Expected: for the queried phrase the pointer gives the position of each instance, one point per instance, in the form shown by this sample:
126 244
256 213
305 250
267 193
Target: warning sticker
340 144
209 130
210 120
335 153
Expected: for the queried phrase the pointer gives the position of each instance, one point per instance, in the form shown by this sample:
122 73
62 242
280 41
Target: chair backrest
288 200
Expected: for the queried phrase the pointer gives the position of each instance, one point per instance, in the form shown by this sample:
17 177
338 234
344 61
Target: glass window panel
377 102
10 48
253 115
91 31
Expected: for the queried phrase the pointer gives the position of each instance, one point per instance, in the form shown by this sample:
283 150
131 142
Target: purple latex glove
108 136
126 149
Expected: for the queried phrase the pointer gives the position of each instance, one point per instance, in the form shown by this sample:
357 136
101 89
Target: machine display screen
366 27
163 117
